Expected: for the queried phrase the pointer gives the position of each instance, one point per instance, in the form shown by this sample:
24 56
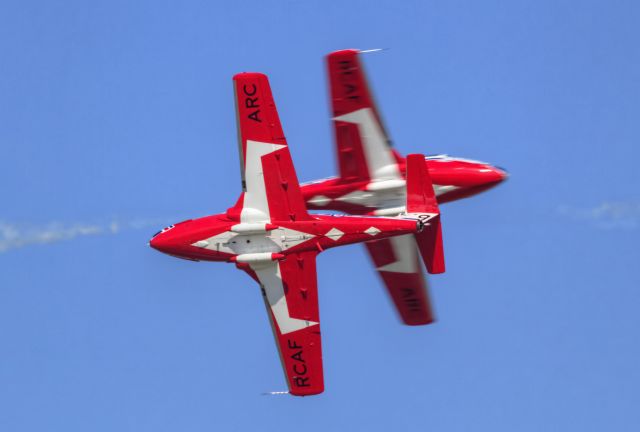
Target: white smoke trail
607 215
14 236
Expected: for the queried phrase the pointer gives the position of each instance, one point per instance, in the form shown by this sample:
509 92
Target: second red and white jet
372 181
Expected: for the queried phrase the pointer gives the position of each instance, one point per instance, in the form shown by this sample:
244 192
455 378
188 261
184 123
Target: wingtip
275 393
372 50
343 52
242 75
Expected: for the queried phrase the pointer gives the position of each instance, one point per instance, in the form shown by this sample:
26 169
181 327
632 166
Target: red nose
465 174
159 242
165 241
491 174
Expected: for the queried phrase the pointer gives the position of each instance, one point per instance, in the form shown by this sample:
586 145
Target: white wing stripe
256 206
381 163
404 248
271 281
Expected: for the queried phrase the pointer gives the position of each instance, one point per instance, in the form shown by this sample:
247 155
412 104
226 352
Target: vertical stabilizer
421 202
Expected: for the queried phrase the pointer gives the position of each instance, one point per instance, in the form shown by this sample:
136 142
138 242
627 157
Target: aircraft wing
396 260
271 191
363 147
290 292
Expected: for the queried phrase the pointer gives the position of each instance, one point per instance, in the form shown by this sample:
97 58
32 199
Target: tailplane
422 203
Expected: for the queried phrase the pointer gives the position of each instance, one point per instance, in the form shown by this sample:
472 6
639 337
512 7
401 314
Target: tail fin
421 199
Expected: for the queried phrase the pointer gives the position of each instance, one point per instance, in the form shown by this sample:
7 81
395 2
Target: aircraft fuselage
221 238
453 179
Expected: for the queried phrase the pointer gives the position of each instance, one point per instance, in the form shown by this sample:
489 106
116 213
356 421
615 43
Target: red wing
269 181
363 147
349 89
290 293
396 260
257 115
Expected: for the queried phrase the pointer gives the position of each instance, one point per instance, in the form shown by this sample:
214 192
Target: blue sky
117 119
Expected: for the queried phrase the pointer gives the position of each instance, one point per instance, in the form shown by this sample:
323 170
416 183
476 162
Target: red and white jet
372 181
270 235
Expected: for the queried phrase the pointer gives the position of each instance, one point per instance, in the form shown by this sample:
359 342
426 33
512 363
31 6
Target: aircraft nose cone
496 174
163 243
504 172
174 240
156 242
482 175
